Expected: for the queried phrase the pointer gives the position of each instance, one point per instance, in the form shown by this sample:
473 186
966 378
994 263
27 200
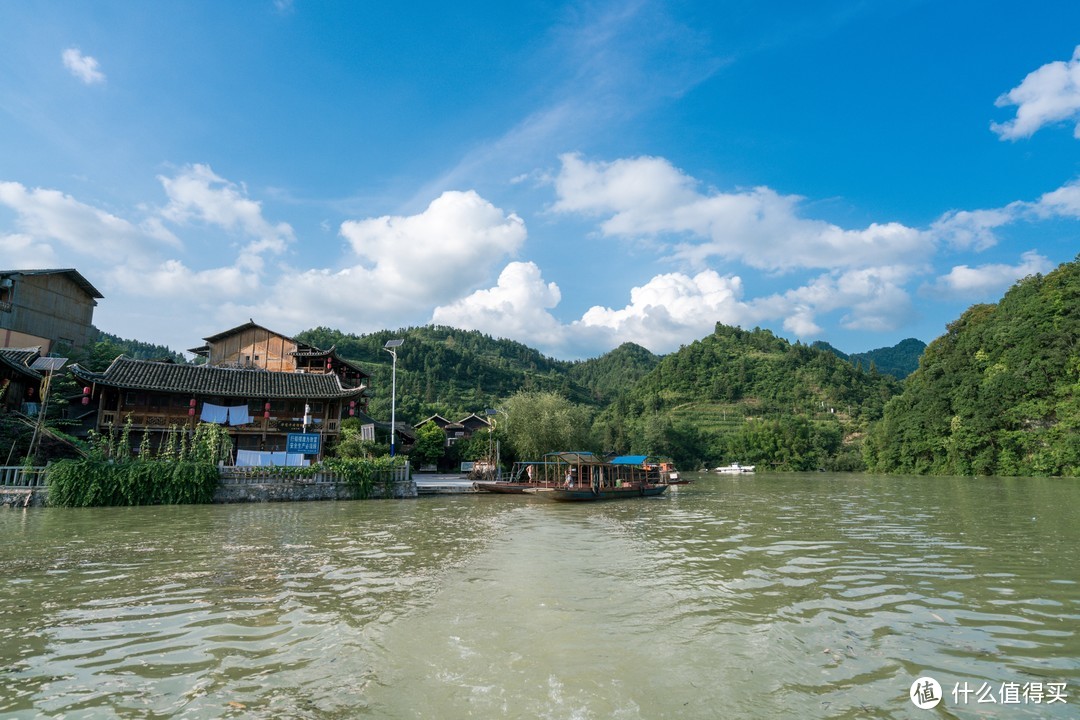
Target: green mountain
899 360
451 372
109 346
751 397
998 394
615 373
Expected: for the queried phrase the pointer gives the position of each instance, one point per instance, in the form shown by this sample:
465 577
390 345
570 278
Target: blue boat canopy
629 460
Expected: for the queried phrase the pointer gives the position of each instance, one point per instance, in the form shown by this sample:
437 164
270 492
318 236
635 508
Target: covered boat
586 477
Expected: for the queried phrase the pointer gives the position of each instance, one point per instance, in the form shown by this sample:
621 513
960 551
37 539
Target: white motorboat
735 469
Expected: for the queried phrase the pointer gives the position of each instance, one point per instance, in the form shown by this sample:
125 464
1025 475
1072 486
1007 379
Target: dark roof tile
129 374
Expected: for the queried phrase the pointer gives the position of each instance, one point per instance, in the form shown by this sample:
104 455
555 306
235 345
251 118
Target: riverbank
27 487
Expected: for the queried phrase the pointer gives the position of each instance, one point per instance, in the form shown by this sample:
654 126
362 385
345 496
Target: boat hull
585 494
509 488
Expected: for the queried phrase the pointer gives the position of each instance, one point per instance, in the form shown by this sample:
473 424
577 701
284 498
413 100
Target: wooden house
20 385
49 309
461 430
260 384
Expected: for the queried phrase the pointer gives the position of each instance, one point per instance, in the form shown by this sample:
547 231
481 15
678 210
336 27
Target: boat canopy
573 457
629 460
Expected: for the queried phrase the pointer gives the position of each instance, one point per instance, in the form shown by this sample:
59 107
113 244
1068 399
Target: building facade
49 309
261 385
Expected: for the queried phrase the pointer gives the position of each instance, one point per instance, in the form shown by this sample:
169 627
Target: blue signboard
303 443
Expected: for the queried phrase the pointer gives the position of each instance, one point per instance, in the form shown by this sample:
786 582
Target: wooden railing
18 476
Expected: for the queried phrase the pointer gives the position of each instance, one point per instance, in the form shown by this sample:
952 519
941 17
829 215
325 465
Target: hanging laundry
211 413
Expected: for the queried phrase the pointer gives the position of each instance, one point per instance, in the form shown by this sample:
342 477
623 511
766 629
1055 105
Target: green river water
771 596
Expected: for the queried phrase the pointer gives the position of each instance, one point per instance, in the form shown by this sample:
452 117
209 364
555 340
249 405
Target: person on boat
569 479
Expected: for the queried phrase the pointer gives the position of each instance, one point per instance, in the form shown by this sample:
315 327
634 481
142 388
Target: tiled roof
19 359
129 374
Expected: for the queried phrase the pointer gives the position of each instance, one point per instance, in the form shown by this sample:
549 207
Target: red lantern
352 408
328 363
191 412
86 396
191 403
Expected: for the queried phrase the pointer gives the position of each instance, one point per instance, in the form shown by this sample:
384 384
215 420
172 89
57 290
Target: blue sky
572 176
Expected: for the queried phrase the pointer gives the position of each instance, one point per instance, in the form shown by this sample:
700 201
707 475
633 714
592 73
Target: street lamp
391 347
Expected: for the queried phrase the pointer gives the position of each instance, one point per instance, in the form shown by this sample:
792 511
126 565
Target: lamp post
391 347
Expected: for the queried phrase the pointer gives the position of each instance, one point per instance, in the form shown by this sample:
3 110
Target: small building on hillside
52 310
258 383
461 430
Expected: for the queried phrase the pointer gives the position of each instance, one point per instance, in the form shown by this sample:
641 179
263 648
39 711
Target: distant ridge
900 360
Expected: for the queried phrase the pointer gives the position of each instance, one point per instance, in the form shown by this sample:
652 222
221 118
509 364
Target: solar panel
48 364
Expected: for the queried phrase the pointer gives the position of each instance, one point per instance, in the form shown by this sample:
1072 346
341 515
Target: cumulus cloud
52 215
197 193
517 307
398 267
670 308
430 256
991 280
84 67
647 196
1048 95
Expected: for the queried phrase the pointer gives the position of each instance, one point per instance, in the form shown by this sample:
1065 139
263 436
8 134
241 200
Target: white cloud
51 215
197 193
649 197
989 280
1063 202
974 229
399 268
174 280
871 299
84 67
22 251
517 307
670 309
429 257
1048 95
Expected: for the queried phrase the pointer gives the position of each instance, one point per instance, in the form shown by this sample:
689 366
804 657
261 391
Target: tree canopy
998 393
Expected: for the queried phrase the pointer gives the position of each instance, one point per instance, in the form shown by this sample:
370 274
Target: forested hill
750 396
455 372
998 393
899 361
614 373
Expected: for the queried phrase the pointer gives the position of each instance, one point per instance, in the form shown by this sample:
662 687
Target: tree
430 444
541 422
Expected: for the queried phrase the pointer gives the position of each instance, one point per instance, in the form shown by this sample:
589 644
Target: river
767 596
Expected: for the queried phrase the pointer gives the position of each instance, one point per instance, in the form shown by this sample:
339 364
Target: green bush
95 483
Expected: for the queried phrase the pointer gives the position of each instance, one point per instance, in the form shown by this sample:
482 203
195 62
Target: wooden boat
633 490
586 477
511 488
658 471
735 469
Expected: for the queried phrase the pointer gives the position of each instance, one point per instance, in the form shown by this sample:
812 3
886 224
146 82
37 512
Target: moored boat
658 471
586 477
735 469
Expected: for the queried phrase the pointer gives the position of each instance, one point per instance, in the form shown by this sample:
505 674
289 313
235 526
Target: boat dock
443 484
